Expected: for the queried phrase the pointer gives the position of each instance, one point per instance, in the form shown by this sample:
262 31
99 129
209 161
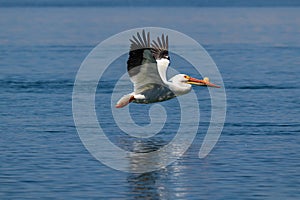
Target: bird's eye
186 77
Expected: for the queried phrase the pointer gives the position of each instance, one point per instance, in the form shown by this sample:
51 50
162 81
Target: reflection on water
153 185
146 156
144 186
154 154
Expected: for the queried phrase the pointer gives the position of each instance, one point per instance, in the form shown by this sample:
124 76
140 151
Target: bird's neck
177 88
162 66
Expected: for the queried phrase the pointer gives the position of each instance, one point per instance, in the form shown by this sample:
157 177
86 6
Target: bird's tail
125 100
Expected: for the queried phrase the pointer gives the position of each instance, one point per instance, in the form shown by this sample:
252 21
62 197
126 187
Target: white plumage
147 67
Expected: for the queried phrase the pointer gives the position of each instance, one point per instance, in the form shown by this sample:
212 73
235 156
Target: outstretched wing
141 64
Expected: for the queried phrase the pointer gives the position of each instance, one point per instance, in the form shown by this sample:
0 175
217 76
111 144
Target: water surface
257 51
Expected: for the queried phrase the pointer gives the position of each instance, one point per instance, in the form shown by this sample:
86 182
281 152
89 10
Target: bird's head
193 81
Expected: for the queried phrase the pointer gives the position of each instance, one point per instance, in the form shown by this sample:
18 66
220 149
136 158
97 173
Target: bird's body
147 67
155 93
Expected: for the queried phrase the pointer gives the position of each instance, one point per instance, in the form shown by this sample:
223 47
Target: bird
147 68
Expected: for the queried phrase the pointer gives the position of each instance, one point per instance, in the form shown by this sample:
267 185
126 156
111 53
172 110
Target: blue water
257 51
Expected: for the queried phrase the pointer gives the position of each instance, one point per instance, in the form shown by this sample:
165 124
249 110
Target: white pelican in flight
147 68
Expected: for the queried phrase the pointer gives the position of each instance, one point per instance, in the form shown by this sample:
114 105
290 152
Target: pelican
147 68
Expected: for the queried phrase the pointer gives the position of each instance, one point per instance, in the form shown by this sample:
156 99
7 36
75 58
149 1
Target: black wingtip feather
160 47
140 41
148 39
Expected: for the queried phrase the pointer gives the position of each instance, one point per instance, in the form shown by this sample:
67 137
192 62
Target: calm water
257 51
